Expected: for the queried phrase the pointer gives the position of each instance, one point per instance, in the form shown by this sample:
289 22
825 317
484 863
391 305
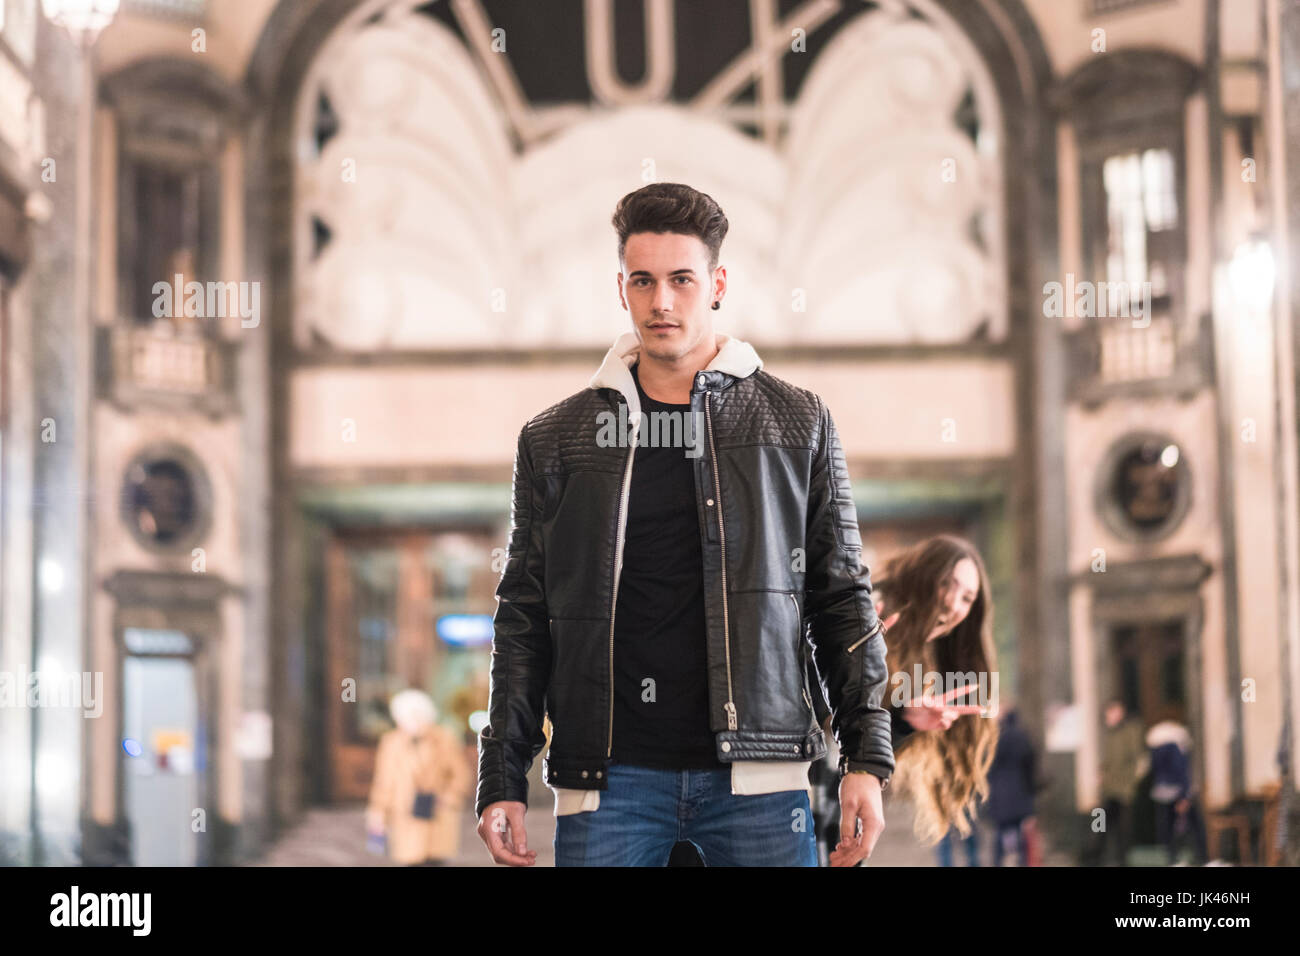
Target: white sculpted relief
861 213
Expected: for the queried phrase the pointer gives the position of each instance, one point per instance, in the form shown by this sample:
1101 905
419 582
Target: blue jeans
1172 829
1007 836
971 843
645 811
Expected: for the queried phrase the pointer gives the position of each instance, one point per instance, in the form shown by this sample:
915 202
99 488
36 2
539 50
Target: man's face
667 287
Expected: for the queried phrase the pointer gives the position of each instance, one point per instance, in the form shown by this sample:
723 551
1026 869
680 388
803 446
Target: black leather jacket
781 564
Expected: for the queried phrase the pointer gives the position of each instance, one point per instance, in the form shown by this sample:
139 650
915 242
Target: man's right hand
501 827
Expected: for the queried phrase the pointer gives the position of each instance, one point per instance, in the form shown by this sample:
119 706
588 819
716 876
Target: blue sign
465 630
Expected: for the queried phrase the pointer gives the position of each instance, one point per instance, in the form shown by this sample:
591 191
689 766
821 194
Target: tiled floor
336 837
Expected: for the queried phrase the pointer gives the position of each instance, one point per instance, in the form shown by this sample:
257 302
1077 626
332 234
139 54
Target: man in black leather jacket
656 593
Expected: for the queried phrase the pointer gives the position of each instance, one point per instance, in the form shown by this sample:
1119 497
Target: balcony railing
1111 357
148 365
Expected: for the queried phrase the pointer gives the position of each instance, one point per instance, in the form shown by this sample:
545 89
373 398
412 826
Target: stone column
62 379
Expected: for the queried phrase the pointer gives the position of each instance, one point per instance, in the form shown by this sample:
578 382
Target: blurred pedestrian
1178 812
969 843
1123 761
420 786
1012 782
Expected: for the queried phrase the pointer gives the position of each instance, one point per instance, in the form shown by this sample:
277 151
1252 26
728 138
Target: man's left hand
859 803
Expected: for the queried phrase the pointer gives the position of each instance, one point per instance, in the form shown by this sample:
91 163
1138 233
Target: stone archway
1003 35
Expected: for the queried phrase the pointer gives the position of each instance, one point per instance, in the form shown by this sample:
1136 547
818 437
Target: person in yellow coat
421 784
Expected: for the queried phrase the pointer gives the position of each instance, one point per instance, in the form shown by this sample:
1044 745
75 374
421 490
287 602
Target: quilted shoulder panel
765 410
564 438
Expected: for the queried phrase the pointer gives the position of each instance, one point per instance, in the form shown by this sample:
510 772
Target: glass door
403 609
164 748
1150 662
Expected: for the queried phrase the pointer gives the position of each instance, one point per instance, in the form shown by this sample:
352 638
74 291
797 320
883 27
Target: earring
717 304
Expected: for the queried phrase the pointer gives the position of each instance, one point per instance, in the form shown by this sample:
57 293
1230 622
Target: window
166 216
173 118
1128 111
166 499
1142 488
374 589
1136 245
1141 214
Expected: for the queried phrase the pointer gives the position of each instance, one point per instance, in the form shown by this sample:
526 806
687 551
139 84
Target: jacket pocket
568 801
879 627
575 689
768 661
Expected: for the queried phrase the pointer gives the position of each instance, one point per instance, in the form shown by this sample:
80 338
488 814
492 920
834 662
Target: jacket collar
735 357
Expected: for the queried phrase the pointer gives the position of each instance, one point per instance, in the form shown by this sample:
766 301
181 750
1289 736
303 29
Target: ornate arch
1002 33
1130 84
943 280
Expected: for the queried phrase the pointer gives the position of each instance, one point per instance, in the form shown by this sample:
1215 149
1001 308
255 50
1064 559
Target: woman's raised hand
937 713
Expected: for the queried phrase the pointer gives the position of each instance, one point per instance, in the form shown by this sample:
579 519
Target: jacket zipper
870 634
799 617
730 706
618 570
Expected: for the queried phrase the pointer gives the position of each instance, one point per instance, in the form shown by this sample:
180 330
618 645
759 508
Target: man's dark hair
671 207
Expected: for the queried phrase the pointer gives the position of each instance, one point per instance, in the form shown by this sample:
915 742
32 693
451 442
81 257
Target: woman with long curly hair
940 616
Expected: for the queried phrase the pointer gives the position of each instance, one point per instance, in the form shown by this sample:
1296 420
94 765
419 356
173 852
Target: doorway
404 608
1150 670
165 748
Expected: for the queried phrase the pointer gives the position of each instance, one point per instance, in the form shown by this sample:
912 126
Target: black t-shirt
661 694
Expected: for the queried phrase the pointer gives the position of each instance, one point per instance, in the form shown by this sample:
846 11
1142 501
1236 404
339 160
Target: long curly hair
945 772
